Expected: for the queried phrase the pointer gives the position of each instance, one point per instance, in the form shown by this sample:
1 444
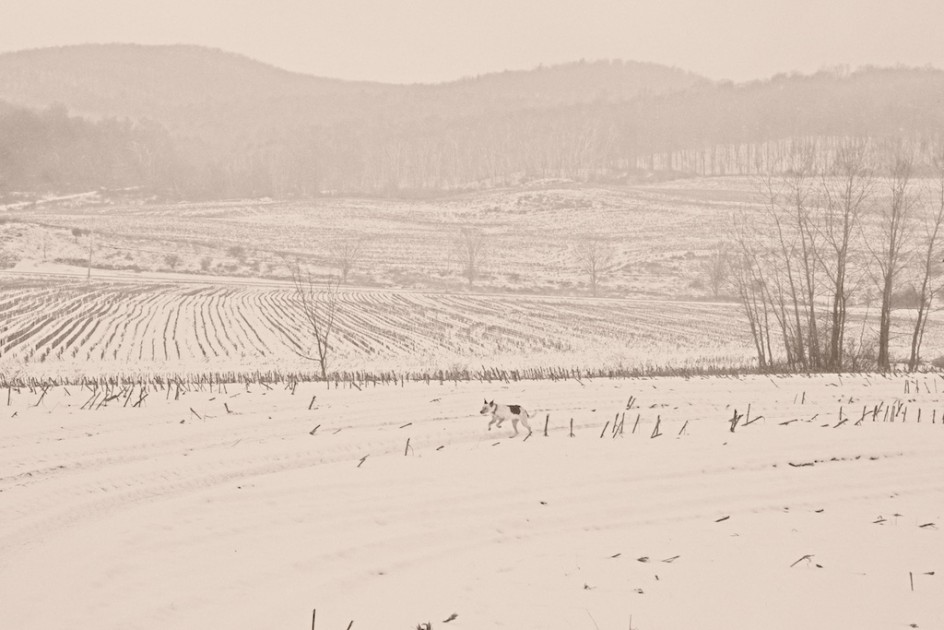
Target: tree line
835 247
51 151
702 129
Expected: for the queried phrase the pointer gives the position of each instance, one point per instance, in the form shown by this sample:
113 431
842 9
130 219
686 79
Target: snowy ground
181 515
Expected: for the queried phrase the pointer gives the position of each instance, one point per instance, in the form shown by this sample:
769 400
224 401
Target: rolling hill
237 127
189 88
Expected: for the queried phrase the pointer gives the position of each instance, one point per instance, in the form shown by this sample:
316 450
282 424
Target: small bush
205 263
861 357
8 260
906 298
76 262
238 252
938 362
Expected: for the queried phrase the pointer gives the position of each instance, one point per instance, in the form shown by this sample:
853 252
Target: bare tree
788 220
892 255
807 247
595 258
750 284
471 248
845 197
347 254
929 263
778 253
717 269
319 305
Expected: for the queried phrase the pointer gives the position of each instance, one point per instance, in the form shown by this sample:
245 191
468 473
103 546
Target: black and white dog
500 413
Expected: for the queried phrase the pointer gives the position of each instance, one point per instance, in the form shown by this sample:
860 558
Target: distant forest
161 121
50 151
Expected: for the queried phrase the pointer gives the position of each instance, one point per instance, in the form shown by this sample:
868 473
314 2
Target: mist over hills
136 80
197 122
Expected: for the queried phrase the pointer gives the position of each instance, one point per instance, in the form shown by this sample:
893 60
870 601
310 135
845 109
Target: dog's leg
491 423
514 425
524 423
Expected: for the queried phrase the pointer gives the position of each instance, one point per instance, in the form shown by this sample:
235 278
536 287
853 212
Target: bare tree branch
471 247
930 263
894 252
319 305
595 258
346 254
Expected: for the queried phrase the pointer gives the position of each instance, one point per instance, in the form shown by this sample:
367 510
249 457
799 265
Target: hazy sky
437 40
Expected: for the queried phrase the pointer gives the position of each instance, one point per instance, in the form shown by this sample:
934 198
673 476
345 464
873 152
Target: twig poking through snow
808 556
842 420
655 431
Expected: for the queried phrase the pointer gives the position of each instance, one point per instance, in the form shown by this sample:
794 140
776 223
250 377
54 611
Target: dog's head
488 408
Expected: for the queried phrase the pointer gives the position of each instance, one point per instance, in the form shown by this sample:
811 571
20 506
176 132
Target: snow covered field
146 328
179 514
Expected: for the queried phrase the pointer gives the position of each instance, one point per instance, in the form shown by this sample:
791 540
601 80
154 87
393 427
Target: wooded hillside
222 125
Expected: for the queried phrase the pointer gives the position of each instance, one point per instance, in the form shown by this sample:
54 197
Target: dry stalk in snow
808 556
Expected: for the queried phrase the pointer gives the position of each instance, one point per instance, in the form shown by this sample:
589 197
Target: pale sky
440 40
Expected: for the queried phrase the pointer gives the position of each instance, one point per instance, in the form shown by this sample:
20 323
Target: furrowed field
67 329
202 287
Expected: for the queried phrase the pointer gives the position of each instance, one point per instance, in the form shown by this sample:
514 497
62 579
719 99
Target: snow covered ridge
245 506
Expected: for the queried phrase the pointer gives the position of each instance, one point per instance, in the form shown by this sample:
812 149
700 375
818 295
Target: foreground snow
181 515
